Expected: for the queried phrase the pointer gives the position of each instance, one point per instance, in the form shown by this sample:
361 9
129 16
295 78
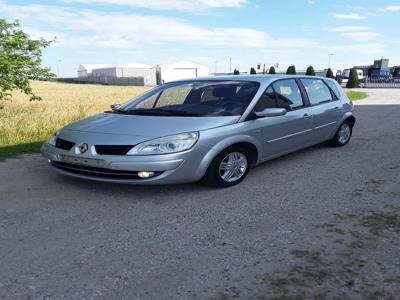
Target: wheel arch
351 119
248 142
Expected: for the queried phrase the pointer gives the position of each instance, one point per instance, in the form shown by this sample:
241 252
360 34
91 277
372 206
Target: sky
209 32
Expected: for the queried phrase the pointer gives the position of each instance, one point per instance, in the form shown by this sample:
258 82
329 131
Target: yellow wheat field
23 122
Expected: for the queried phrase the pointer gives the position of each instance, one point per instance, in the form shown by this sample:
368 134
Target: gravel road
319 223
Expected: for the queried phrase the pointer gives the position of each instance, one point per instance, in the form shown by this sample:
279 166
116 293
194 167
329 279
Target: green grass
356 95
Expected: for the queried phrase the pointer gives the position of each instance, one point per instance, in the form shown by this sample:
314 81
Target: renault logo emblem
83 148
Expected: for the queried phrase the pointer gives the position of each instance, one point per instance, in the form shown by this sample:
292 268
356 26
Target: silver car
211 129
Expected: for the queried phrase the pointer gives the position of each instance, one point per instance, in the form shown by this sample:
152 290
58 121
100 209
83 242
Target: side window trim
304 95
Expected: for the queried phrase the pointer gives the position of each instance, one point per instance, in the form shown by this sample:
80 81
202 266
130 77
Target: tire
342 135
234 159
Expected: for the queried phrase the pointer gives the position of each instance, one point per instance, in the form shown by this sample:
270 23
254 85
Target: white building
180 70
85 70
128 70
264 67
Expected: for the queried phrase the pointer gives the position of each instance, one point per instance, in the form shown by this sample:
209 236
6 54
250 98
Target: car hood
147 126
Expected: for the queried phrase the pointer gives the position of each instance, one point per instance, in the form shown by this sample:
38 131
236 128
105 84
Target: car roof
261 78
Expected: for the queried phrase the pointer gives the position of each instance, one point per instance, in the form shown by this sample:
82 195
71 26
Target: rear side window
317 91
334 88
288 94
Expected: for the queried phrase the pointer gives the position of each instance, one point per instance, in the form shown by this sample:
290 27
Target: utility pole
329 63
230 64
215 68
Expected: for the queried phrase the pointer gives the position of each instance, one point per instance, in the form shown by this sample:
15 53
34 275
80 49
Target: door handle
307 116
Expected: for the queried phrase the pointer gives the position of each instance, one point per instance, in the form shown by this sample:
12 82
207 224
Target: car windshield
196 98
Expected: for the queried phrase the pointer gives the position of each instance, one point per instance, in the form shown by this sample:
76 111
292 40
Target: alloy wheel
233 166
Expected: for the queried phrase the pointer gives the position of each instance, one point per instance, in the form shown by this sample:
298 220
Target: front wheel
229 168
342 136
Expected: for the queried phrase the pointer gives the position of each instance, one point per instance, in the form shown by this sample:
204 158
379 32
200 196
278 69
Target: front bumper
181 167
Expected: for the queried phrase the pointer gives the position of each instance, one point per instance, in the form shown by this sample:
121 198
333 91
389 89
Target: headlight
53 138
165 145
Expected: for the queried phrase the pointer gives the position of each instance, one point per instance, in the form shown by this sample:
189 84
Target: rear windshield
196 98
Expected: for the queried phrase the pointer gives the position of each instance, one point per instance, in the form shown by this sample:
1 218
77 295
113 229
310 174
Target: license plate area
82 161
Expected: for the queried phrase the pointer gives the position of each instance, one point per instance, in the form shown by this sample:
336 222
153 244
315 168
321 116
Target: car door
325 108
283 134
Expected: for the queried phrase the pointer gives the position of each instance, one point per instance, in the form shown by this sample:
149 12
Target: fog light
145 174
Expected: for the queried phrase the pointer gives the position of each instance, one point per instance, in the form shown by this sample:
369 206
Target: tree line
353 81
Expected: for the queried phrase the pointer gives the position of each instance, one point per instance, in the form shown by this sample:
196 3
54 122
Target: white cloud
357 33
390 8
361 35
352 16
88 28
349 28
311 2
38 34
362 49
181 5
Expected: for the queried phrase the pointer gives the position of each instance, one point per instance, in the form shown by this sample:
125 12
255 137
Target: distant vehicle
346 74
212 128
379 74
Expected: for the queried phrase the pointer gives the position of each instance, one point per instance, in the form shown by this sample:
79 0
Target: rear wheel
342 136
229 168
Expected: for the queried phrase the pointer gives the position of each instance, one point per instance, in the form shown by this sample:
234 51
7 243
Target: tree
393 71
353 79
291 70
236 72
310 71
253 71
329 73
272 70
20 61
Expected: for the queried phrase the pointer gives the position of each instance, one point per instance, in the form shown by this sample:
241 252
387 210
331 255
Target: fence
382 83
107 80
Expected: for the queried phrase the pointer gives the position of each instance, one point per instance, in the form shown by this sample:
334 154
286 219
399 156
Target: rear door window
317 91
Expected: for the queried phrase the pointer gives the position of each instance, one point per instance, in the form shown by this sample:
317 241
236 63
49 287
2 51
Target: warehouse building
150 75
129 70
85 70
180 70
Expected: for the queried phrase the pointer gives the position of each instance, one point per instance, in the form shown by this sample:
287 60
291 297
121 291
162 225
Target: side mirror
115 106
270 112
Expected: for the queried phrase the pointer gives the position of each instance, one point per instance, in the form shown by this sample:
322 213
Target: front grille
64 144
97 172
113 150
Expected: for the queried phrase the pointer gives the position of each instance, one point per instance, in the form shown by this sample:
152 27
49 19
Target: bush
291 70
353 79
329 73
253 71
236 72
310 71
272 70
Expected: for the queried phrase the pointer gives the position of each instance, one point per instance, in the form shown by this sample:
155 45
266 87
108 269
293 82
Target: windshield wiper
158 112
